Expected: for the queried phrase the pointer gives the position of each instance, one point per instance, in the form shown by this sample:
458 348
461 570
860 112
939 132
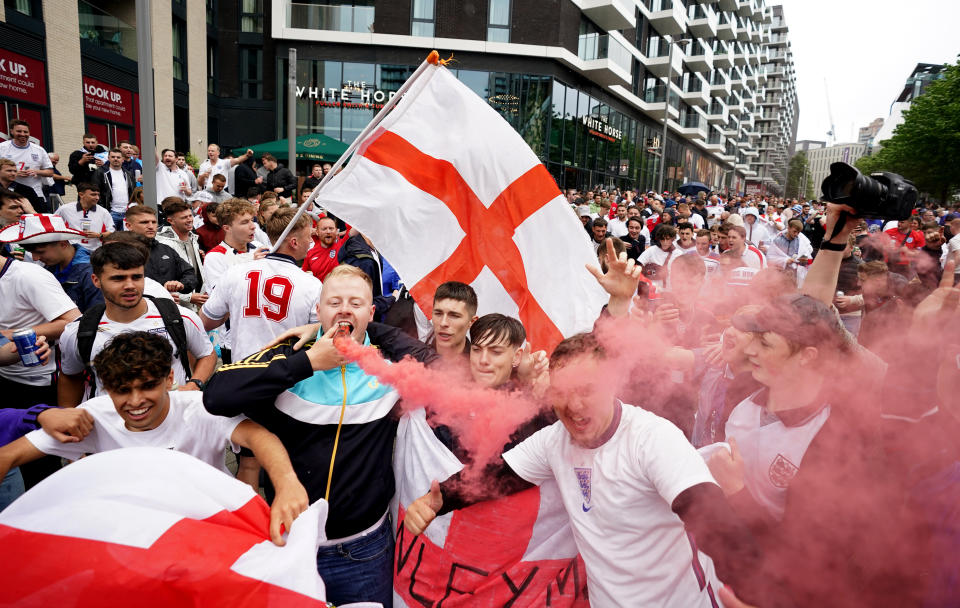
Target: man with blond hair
339 424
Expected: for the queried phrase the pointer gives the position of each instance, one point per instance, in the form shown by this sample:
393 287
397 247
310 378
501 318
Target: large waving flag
447 190
513 551
148 527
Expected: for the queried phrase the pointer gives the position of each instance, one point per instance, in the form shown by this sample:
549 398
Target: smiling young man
630 483
32 161
118 273
141 410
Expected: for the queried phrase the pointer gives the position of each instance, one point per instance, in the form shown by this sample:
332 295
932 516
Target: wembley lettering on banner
513 551
152 528
475 205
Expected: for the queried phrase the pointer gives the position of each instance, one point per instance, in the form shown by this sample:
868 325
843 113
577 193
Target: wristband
200 384
828 246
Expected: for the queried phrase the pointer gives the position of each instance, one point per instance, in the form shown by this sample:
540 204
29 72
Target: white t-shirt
118 190
97 219
713 214
222 167
618 499
264 298
31 296
30 157
155 289
168 182
187 428
696 220
654 255
219 259
616 227
197 342
772 451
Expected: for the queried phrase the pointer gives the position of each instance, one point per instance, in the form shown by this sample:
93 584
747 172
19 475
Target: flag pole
432 59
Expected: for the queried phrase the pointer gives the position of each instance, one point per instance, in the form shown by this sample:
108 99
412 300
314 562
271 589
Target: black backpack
172 321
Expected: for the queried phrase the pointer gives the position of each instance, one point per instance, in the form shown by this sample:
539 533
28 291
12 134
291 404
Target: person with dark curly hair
140 409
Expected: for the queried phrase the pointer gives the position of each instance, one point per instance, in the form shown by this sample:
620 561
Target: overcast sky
865 49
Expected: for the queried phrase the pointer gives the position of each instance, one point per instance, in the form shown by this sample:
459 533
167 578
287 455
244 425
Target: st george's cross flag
149 527
517 550
447 190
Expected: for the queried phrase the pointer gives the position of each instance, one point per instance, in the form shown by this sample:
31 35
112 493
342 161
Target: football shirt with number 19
264 298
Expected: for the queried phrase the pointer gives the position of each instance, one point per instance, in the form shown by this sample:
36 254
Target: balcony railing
655 6
715 137
337 18
696 49
655 94
716 107
602 46
691 84
694 121
657 47
106 31
696 11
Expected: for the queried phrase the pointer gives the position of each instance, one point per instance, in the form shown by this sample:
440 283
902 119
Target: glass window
179 49
24 7
106 31
358 110
498 22
211 68
211 11
423 18
251 73
251 16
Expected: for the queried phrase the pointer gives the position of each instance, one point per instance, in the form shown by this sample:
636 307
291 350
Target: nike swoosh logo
585 508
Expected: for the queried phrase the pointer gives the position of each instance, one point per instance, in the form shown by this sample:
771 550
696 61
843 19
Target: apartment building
588 83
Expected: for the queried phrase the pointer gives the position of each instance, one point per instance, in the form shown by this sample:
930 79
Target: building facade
915 85
76 64
821 158
588 83
867 133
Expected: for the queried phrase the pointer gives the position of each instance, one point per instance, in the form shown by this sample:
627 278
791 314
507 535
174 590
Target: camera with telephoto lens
885 196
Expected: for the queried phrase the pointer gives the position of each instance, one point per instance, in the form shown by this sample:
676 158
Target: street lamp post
148 146
666 110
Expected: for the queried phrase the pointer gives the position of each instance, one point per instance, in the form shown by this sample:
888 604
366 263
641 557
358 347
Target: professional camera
886 196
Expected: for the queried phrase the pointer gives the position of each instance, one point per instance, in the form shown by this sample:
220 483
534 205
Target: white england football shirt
618 498
97 219
219 260
772 451
30 157
197 342
169 182
264 298
118 190
221 167
31 296
188 428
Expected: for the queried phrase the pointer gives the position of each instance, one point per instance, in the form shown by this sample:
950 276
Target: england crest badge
583 479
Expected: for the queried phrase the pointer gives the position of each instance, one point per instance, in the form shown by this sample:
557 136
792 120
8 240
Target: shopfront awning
312 146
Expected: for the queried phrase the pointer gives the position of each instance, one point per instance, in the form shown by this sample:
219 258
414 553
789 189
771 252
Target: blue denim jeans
117 219
11 488
360 570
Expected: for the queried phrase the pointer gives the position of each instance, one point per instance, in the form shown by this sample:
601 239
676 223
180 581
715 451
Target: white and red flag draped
149 527
447 190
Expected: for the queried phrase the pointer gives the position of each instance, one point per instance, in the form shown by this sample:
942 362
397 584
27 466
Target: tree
795 171
925 148
810 189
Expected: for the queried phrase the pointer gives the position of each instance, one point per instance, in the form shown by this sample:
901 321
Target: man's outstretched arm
291 497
